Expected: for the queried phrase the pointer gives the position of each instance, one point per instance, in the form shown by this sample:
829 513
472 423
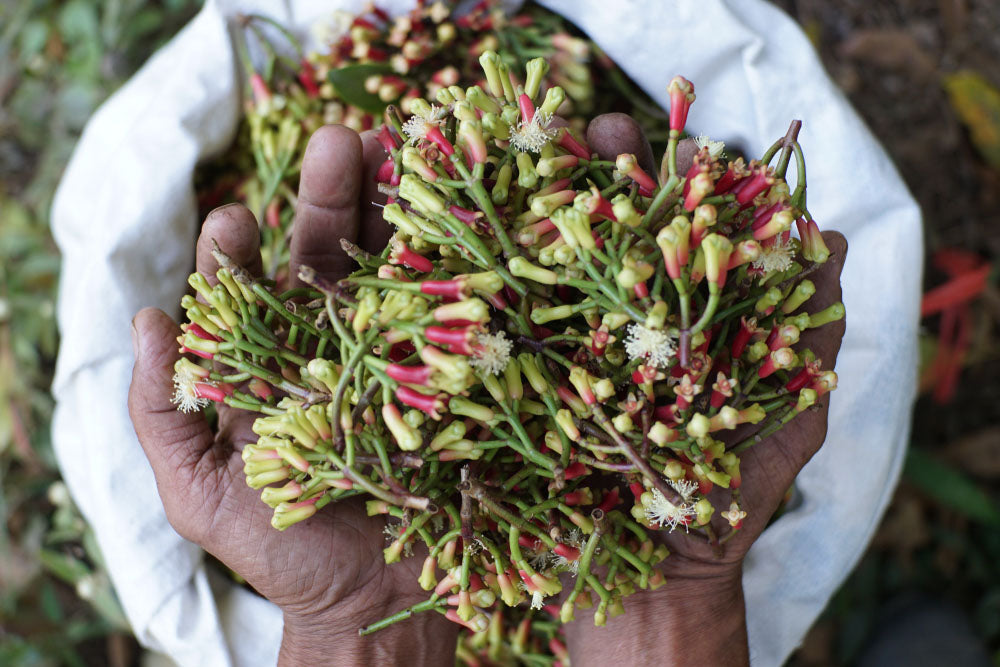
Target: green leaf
949 487
62 566
349 83
977 104
33 37
50 602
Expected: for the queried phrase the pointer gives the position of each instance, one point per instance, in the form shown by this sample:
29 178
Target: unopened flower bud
698 188
779 223
536 69
490 62
427 579
564 418
624 211
630 276
802 292
703 511
274 496
554 97
478 97
627 164
574 226
413 161
829 314
501 188
717 250
614 319
767 302
813 246
470 310
459 405
413 190
698 426
407 437
623 422
826 382
682 95
288 514
522 268
532 373
527 177
780 359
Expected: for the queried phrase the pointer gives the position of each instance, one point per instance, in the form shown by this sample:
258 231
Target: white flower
685 487
715 148
186 396
775 258
533 135
654 346
573 538
541 561
536 600
416 126
663 512
735 515
392 532
492 352
330 31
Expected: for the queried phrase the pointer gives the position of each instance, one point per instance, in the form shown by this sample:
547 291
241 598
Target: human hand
698 616
327 574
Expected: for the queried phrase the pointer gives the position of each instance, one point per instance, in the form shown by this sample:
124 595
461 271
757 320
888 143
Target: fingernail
135 340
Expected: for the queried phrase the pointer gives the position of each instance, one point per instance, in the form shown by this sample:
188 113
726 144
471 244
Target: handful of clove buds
545 364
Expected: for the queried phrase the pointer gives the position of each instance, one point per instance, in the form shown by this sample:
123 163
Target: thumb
178 445
611 134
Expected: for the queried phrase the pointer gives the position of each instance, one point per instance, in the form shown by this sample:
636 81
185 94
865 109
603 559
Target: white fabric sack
125 220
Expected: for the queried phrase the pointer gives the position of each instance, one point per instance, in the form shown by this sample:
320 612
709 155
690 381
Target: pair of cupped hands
327 574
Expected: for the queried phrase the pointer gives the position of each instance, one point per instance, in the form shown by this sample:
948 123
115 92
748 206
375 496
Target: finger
234 228
612 134
686 150
178 445
327 208
374 232
770 468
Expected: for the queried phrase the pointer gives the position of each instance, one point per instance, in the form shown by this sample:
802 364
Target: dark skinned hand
698 617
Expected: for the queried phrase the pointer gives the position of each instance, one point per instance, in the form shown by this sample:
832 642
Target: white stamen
653 346
663 512
492 353
685 487
574 538
534 135
775 258
416 126
330 31
186 396
715 148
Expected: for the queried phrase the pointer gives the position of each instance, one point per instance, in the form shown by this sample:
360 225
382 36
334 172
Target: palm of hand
769 467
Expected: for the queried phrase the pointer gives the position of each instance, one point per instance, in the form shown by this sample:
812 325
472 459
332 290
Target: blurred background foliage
923 73
58 61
